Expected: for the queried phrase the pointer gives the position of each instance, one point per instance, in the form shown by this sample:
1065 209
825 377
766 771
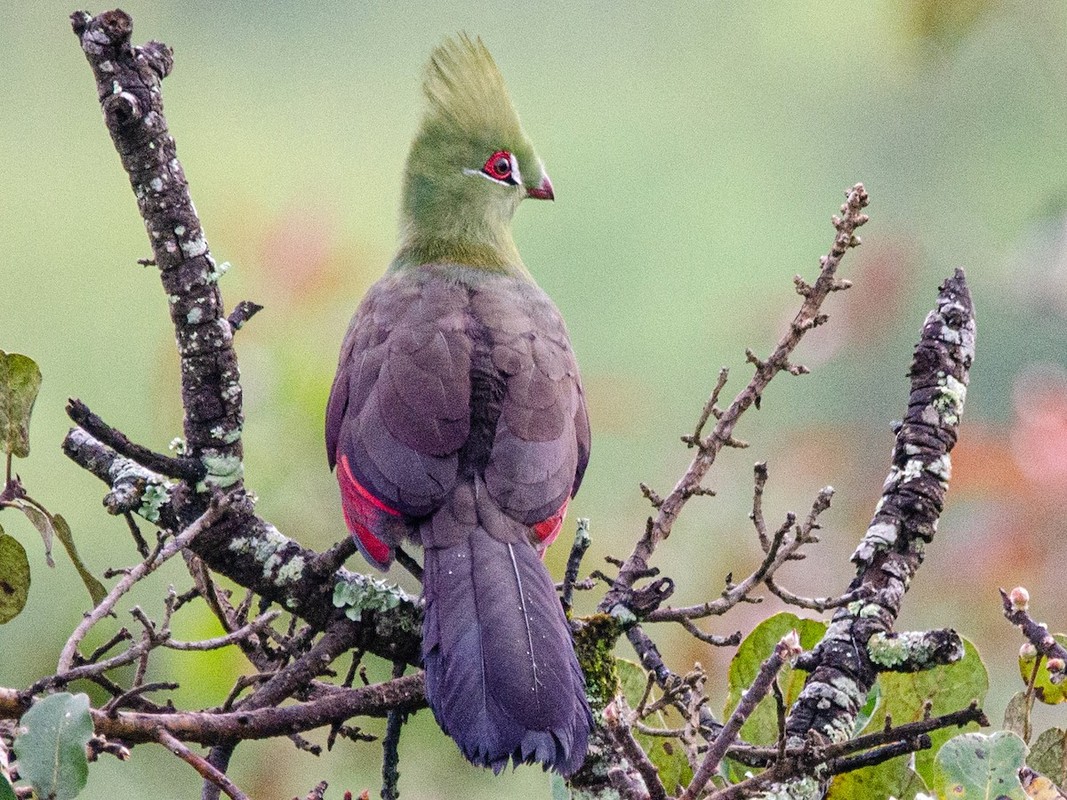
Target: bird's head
471 163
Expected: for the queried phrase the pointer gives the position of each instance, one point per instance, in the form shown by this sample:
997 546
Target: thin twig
721 436
815 603
201 765
115 703
582 541
733 640
778 553
617 721
1016 610
785 650
394 723
710 409
760 472
409 563
258 625
171 548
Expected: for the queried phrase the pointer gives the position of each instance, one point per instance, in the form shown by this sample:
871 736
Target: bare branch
760 472
210 728
184 468
779 551
722 435
784 651
201 765
172 547
243 312
258 625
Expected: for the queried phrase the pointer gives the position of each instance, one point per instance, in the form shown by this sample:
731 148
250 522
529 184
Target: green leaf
1017 716
666 755
560 791
948 688
973 766
6 792
874 701
1044 689
96 589
1049 755
893 778
43 523
762 726
20 379
51 745
14 577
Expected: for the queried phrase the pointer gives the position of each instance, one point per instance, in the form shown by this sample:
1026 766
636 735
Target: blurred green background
698 151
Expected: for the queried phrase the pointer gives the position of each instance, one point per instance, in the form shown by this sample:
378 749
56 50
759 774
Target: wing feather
399 408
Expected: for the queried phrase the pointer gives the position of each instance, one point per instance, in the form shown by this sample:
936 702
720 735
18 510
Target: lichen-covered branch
132 488
245 548
253 553
843 666
128 85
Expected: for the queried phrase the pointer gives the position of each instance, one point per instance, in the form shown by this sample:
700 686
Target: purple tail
501 674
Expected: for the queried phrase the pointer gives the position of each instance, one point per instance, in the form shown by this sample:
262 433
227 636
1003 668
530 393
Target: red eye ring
498 166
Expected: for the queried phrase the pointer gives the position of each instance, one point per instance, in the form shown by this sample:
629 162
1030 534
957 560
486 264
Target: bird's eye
498 167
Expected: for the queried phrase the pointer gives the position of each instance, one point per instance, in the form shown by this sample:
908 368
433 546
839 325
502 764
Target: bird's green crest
454 210
465 90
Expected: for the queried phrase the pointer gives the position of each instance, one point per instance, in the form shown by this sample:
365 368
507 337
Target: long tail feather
501 674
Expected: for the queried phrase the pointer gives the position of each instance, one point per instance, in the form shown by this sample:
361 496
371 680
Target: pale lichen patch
880 536
292 570
222 470
941 467
196 246
154 497
913 469
357 594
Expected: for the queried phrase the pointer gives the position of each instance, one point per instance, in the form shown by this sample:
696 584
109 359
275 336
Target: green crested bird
457 420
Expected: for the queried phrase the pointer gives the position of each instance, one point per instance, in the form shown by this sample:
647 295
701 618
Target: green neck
456 219
492 251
